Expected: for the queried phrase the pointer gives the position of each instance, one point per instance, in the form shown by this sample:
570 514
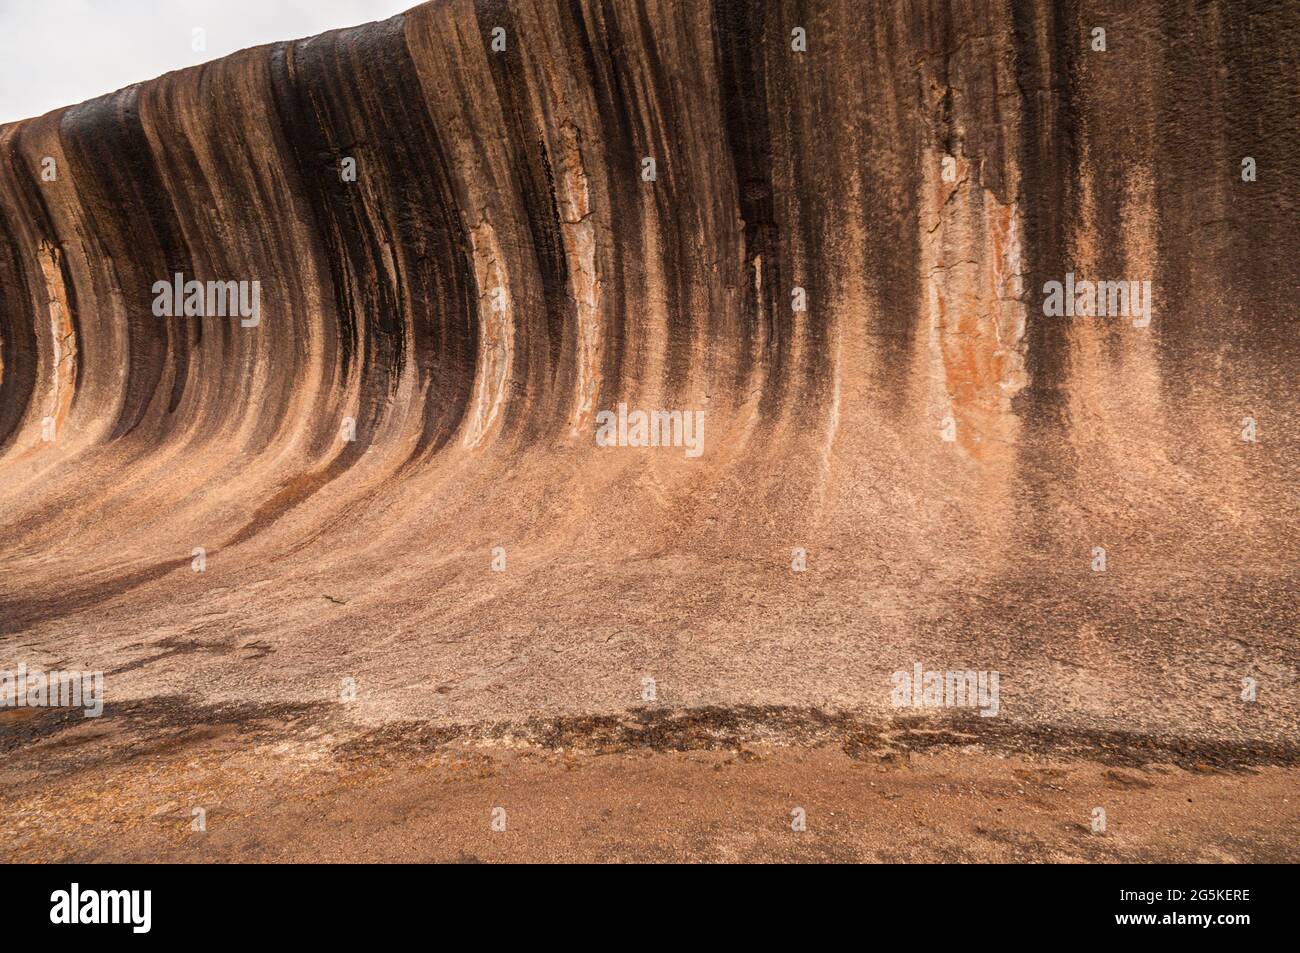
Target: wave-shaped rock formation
829 227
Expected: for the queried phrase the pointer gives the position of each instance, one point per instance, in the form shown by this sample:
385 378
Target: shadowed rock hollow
501 271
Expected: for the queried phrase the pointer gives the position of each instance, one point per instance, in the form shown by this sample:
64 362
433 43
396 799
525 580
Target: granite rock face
829 227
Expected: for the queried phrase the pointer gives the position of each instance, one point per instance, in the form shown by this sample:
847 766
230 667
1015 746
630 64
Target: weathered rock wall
500 271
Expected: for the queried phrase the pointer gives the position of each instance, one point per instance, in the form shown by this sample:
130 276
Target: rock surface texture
393 476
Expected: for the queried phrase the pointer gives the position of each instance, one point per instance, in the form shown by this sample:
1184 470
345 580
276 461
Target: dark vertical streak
739 29
112 168
1049 163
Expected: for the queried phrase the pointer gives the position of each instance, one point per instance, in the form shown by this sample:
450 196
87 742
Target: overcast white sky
59 52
